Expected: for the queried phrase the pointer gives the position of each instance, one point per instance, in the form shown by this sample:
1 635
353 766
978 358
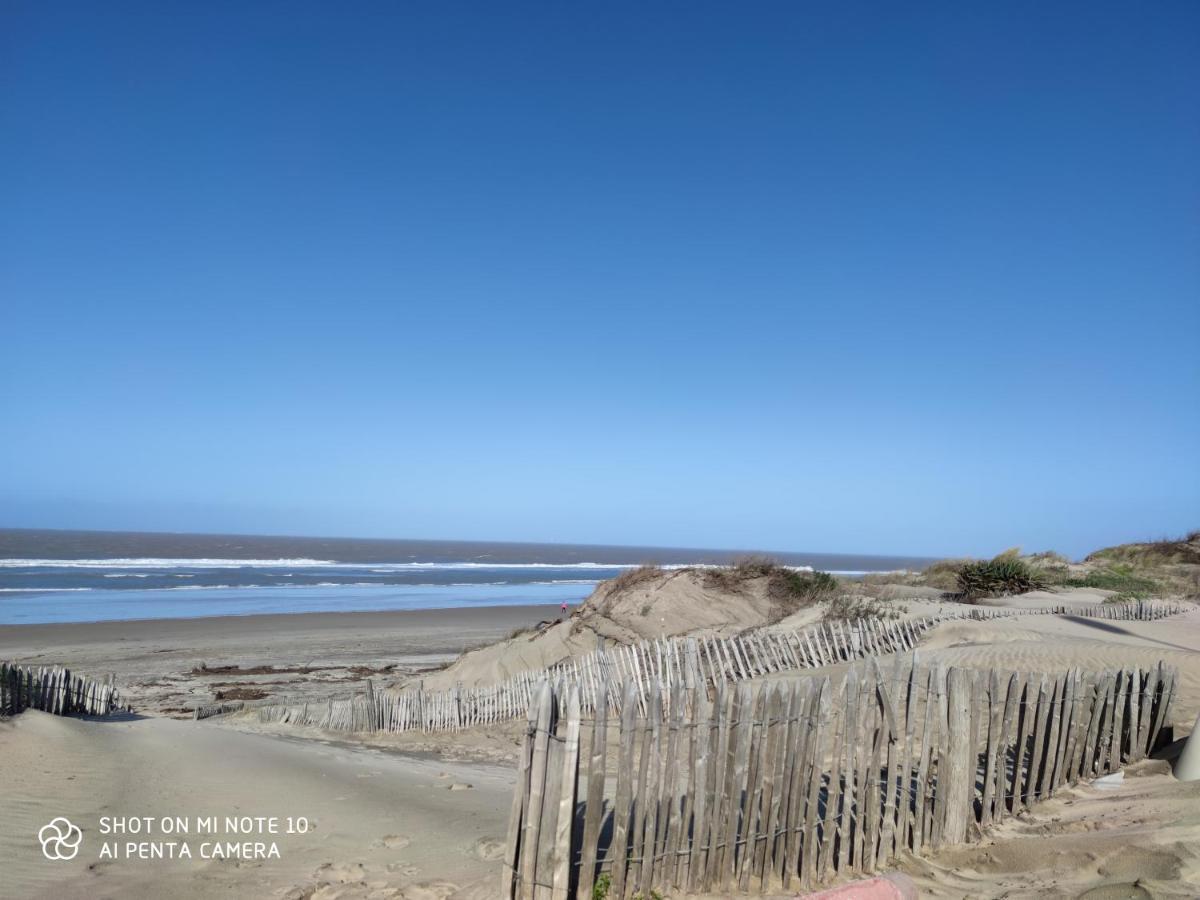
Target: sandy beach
378 824
402 814
423 816
158 663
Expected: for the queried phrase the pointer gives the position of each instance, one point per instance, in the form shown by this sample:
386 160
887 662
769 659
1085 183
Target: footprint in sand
340 874
489 849
403 869
334 892
392 842
429 890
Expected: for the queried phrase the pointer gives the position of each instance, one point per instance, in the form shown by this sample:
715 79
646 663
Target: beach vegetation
1123 597
803 588
846 608
1054 568
603 885
1001 576
943 574
1048 558
1163 552
787 588
784 583
1122 578
631 578
754 565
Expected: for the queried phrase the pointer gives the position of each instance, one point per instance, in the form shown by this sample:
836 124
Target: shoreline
316 621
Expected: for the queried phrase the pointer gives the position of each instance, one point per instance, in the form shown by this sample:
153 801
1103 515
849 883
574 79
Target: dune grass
633 577
943 574
1002 576
788 589
845 607
1166 551
1120 578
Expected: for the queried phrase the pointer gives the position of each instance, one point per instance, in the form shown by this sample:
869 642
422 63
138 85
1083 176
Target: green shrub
999 577
788 589
1119 578
1168 551
1123 597
1051 567
806 586
944 573
603 886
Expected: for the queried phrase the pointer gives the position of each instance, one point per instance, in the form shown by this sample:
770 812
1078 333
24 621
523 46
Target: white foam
384 568
188 563
161 563
379 568
39 590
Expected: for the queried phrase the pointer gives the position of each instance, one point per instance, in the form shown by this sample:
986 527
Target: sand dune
1133 843
384 825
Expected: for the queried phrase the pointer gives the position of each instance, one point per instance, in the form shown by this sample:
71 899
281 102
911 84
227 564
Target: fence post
621 807
958 780
568 783
531 827
595 788
518 811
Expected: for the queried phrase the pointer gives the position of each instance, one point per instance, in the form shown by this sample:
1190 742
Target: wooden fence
695 660
1123 611
54 690
707 660
780 784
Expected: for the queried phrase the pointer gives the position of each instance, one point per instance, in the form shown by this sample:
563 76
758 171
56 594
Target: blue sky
841 277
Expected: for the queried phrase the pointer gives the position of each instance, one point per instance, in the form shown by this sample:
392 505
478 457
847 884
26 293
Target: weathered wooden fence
54 690
1125 611
699 660
695 660
795 782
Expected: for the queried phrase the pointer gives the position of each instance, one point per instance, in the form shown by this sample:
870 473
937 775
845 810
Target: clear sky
896 278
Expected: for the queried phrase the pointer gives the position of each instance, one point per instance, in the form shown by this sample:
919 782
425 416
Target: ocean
73 576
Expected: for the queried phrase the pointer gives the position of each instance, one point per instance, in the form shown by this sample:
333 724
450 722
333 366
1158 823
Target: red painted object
893 886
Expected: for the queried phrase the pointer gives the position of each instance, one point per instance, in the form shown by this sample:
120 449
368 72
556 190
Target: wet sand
166 666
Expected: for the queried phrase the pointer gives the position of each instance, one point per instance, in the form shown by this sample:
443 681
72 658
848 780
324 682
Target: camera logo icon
60 839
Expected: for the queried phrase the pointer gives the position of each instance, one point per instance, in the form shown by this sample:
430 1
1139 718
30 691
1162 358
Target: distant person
564 607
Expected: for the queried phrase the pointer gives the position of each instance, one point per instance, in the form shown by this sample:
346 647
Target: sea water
96 576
